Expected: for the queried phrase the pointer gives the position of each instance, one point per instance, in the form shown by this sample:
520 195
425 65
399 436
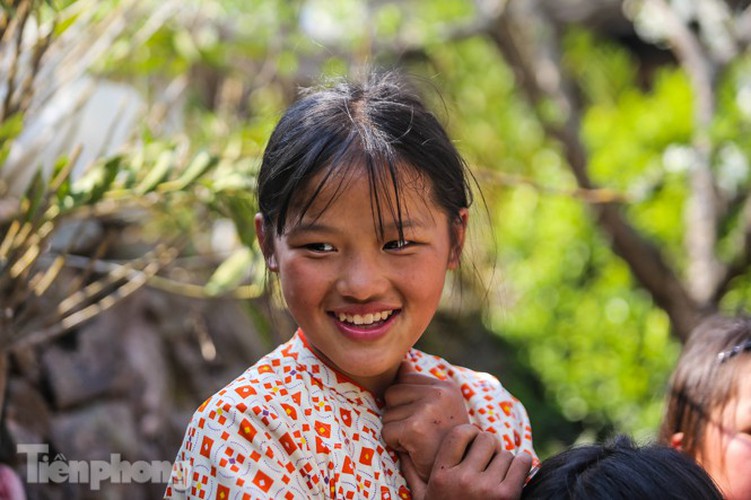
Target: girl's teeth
366 319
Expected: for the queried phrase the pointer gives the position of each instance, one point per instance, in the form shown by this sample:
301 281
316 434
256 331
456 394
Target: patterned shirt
291 427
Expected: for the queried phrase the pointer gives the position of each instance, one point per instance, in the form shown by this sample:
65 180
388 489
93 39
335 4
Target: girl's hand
471 465
420 411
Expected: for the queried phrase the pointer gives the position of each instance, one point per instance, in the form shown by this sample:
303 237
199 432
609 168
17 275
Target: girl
363 209
708 411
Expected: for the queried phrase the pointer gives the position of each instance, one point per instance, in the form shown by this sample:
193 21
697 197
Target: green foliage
630 143
490 123
9 129
91 188
231 272
602 348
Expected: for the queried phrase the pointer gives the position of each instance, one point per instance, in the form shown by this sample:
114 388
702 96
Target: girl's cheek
306 278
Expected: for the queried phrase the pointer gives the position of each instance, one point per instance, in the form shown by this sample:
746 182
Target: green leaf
35 194
242 210
11 126
108 173
202 163
186 46
231 272
64 189
157 174
91 188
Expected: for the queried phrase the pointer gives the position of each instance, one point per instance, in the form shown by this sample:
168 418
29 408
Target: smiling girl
363 210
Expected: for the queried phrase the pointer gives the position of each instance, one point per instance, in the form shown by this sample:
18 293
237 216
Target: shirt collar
332 378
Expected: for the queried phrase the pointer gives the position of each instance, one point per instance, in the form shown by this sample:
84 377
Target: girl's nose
362 278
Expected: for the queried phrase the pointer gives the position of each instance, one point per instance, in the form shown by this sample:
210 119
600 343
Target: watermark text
42 469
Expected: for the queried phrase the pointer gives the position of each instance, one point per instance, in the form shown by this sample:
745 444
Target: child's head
708 411
379 130
363 207
620 470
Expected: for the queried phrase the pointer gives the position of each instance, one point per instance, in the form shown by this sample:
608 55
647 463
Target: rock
95 367
77 236
27 414
96 431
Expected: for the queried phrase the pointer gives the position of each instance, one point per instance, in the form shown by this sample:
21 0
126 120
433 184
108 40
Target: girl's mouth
369 326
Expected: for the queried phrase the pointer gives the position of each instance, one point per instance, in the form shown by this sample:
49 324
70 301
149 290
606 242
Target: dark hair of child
621 470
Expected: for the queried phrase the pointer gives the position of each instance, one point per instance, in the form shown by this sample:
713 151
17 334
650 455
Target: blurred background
609 140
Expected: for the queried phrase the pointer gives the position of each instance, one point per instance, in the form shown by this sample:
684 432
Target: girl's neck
375 385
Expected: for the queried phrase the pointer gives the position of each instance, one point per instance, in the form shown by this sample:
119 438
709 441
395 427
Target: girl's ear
459 228
266 243
676 441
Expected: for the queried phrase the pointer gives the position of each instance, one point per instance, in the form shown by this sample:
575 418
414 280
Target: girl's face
726 453
363 300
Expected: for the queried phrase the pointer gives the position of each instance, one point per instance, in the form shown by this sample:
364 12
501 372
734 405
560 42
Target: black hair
621 470
371 128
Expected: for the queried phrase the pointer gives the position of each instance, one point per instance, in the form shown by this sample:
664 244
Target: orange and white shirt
291 427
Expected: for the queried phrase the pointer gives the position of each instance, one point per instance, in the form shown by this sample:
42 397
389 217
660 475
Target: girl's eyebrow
317 227
405 224
311 227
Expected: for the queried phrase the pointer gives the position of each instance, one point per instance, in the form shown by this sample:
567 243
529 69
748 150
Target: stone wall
127 383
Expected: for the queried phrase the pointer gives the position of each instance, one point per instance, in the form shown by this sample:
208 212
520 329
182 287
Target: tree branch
701 214
517 34
739 265
742 27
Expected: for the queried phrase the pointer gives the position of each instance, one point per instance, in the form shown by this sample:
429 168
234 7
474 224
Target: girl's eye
397 245
319 247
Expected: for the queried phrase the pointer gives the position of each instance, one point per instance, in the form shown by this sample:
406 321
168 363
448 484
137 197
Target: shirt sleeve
492 408
236 450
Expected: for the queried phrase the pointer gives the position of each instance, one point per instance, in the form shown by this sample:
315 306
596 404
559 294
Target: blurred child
708 410
363 209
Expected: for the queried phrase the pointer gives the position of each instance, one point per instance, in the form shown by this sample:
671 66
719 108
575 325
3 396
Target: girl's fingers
398 413
408 375
509 486
417 486
507 467
483 449
454 445
401 431
520 467
413 388
401 394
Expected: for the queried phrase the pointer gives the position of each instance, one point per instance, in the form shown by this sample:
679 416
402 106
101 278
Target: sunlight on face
726 453
363 298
